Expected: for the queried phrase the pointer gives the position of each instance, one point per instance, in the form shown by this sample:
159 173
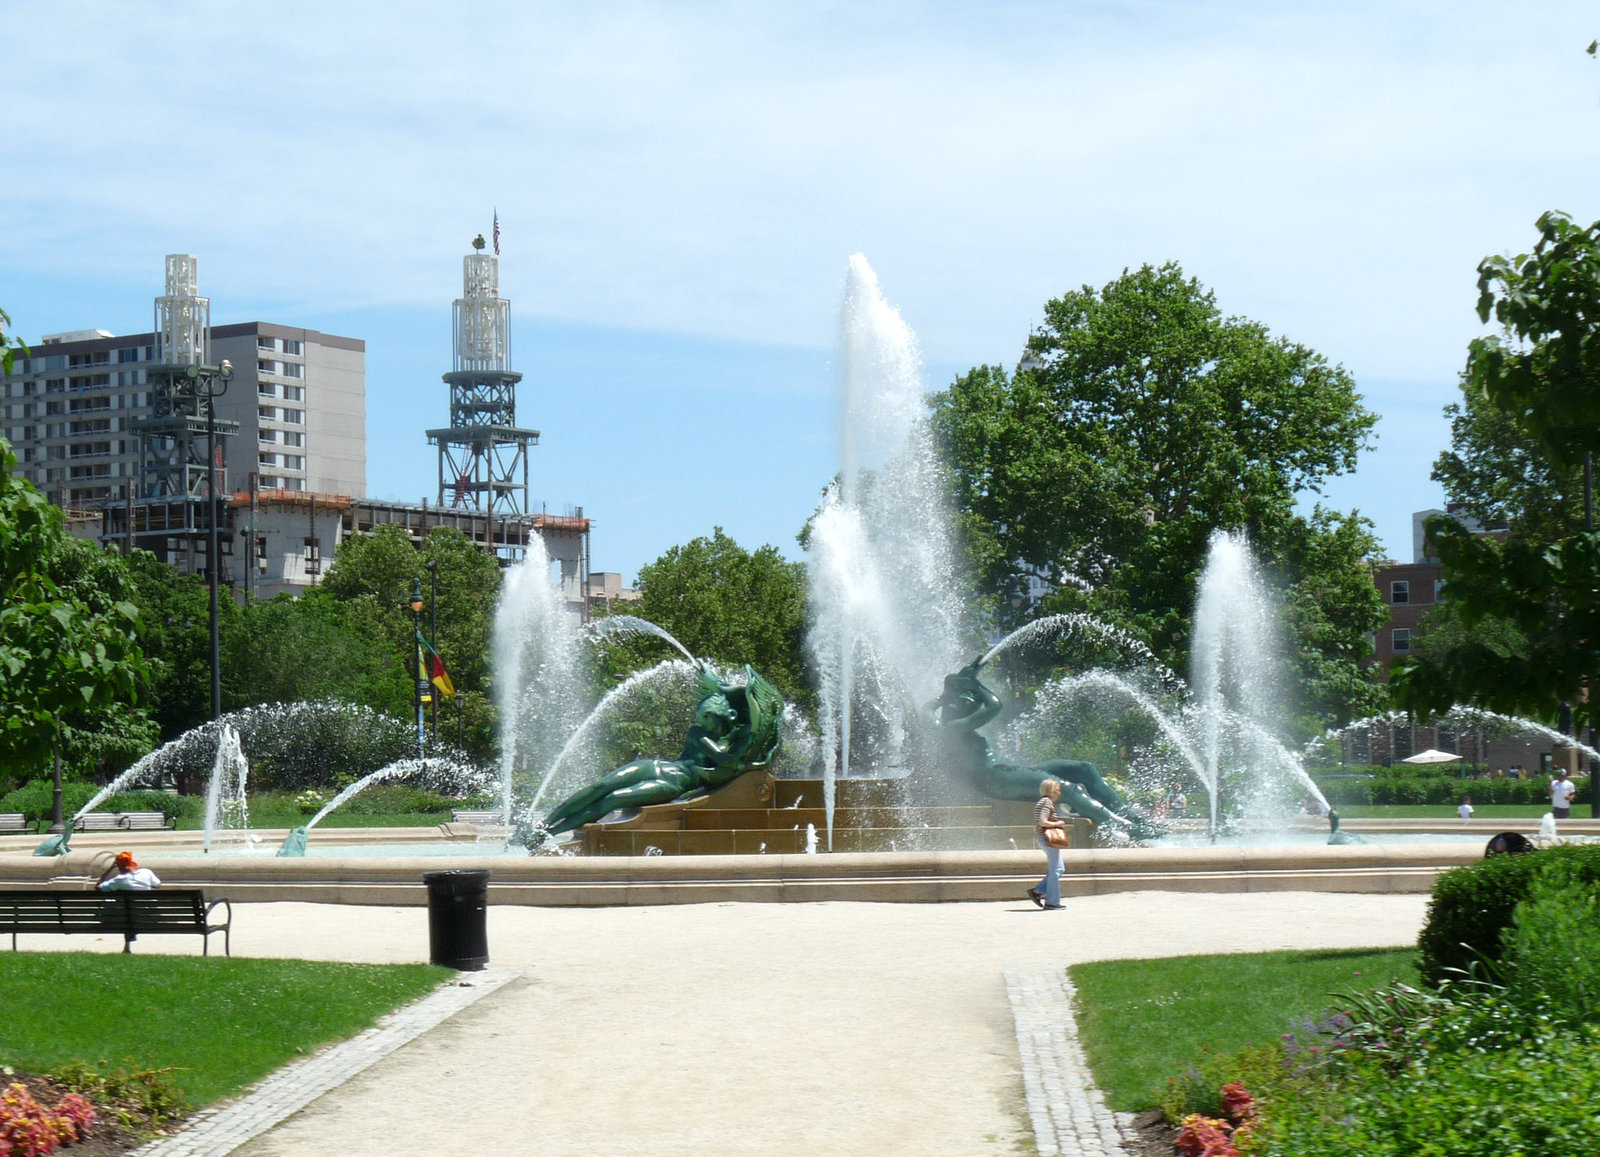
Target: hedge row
33 800
1396 786
1473 906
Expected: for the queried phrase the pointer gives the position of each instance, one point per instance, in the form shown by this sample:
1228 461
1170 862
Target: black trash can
458 909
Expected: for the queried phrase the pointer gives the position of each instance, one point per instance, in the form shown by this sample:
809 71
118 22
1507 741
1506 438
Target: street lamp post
207 385
422 680
433 637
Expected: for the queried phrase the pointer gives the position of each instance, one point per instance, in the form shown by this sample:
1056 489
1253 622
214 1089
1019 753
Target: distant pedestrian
1465 810
1048 892
125 875
1562 790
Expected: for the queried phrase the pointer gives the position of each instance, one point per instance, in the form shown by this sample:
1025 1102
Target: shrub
395 799
1473 906
1552 949
174 807
1538 1098
33 799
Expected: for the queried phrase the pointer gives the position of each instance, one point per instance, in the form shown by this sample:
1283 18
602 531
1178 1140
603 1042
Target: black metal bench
163 911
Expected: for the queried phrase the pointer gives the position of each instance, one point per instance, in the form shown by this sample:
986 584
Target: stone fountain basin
604 881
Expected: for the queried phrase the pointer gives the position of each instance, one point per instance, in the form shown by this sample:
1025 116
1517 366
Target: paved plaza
730 1029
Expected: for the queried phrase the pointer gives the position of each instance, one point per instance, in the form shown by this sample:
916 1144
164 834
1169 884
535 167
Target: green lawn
221 1023
1431 811
1144 1021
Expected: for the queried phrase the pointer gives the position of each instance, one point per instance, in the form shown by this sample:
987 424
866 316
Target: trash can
458 903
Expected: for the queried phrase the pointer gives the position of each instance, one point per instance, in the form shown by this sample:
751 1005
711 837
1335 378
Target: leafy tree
375 572
314 647
731 605
68 631
1140 420
9 347
1501 475
175 609
1522 626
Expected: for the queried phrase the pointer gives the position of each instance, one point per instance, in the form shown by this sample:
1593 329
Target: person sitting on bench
125 875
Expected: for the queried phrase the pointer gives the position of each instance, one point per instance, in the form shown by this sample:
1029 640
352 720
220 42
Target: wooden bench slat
174 910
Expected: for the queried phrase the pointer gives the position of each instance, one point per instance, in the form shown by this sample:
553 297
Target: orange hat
126 862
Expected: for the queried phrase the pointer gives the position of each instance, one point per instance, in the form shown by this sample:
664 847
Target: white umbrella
1432 755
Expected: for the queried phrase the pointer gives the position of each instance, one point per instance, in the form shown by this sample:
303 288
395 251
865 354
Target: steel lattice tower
175 474
483 454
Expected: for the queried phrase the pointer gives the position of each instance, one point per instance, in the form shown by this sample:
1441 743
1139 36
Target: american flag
497 232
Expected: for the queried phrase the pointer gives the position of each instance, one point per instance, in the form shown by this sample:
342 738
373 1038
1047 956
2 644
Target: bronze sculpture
735 730
967 704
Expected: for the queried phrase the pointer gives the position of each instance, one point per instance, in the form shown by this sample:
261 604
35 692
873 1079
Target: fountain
538 679
447 774
881 567
227 807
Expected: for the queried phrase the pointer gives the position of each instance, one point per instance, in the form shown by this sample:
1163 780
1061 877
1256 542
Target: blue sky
681 185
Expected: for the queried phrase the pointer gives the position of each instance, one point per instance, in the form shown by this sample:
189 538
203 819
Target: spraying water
537 676
621 625
881 572
1234 659
227 805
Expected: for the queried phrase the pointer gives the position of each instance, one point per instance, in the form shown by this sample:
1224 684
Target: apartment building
298 396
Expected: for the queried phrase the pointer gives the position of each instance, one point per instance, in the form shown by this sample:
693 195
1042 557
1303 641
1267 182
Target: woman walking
1048 894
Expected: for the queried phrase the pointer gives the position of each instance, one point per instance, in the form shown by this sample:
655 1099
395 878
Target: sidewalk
807 1029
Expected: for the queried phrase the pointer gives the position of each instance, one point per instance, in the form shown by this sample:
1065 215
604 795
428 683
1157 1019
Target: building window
294 483
1399 593
268 459
128 354
293 438
267 413
293 370
266 367
1400 641
266 389
266 343
293 347
294 393
294 417
294 462
267 436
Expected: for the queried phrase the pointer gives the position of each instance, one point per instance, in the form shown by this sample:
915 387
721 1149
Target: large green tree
1140 420
1520 631
731 605
69 632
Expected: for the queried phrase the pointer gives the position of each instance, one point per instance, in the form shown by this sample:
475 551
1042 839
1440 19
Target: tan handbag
1058 837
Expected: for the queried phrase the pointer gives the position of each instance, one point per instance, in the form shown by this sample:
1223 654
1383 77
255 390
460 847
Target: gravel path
805 1029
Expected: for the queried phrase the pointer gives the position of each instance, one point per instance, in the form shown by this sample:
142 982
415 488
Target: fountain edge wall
894 877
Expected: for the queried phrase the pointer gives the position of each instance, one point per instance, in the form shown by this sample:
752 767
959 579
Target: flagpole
416 627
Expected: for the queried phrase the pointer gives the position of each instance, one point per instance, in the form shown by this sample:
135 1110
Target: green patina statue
1335 836
966 705
735 730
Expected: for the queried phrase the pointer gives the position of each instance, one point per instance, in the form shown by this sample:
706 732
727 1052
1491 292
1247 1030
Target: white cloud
1333 170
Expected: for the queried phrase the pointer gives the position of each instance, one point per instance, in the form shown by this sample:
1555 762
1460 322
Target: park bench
123 822
11 822
484 819
163 911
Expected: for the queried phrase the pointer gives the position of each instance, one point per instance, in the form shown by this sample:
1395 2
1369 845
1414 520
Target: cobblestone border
1069 1116
214 1132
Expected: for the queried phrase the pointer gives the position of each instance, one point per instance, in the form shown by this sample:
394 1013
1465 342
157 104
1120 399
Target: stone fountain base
757 814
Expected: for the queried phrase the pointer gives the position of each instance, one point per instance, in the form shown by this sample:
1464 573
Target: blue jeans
1051 884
